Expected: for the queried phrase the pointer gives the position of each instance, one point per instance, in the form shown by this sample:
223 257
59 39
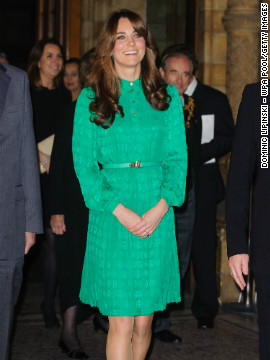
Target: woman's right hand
125 216
58 224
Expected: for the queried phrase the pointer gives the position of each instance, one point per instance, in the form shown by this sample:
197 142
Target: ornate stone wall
212 43
94 13
242 23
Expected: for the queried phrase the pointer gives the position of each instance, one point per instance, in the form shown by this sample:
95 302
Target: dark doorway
172 22
17 29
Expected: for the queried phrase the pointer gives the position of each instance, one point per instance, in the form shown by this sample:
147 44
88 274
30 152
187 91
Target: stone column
242 23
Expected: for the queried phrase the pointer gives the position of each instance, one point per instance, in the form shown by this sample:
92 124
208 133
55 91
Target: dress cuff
112 205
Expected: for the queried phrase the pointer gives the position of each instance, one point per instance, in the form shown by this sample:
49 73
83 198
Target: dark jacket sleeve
30 169
239 183
221 144
60 155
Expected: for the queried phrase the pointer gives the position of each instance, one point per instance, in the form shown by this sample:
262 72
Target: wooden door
61 20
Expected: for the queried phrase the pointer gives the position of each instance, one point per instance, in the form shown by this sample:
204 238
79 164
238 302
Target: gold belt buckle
137 164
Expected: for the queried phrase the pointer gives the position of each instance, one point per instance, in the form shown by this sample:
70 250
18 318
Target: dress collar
126 85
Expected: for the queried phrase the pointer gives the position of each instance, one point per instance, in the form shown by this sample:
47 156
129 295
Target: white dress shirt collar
191 87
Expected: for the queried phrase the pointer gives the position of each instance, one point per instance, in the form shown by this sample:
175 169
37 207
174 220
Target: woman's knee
121 325
142 325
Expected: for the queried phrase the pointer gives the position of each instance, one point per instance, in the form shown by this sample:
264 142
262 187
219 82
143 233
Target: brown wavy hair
105 81
34 57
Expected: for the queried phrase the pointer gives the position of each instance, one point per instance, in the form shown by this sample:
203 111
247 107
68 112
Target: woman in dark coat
45 71
69 222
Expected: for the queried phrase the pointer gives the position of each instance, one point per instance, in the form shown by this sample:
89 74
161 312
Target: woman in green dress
130 157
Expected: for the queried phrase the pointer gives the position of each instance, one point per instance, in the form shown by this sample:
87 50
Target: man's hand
30 239
239 266
58 224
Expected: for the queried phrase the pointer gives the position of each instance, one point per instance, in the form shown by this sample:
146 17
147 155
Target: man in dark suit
20 209
177 69
217 131
216 139
249 178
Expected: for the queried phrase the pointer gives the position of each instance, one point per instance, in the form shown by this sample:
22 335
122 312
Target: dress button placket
133 101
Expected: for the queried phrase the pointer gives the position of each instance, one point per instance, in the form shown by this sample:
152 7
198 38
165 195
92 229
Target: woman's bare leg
142 332
119 346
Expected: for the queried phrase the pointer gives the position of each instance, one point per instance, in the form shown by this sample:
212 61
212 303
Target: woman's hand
44 160
58 224
150 220
125 216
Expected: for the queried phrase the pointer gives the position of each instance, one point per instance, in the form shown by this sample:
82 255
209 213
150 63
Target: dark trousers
263 295
203 252
10 284
70 250
184 222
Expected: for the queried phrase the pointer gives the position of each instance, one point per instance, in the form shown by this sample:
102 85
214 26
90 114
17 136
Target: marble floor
233 337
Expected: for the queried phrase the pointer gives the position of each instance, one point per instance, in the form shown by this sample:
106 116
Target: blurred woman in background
69 216
71 77
45 71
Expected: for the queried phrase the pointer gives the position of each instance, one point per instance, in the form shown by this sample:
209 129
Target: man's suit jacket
246 175
193 125
20 201
213 102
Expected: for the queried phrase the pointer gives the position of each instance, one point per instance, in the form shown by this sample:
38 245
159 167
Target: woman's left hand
150 220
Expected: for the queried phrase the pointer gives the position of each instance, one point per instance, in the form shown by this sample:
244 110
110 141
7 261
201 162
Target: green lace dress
124 275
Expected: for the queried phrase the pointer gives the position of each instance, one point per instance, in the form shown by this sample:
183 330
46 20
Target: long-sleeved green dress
124 275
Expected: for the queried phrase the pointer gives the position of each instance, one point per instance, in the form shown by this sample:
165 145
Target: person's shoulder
252 96
89 92
172 92
210 91
63 94
252 89
171 89
13 71
86 95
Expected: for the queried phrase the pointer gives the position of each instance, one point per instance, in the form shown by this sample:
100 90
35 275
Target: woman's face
51 61
129 48
71 77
